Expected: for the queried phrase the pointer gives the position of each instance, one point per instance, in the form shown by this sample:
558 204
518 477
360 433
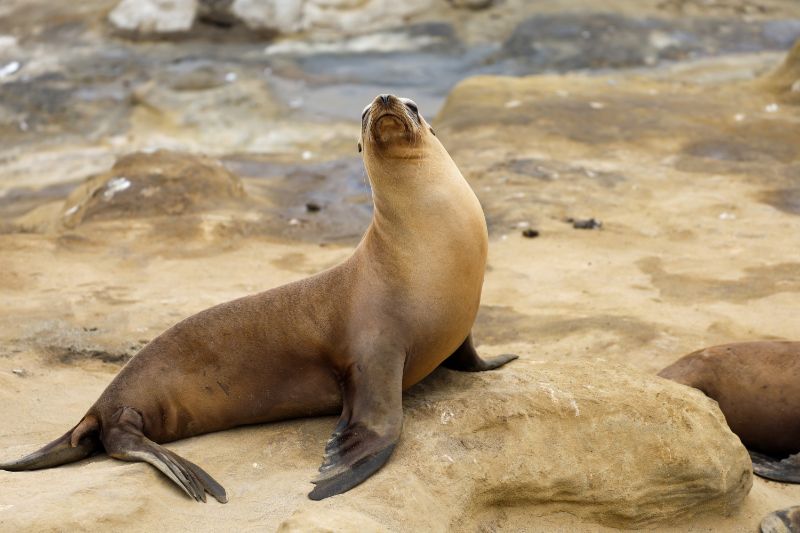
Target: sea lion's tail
79 442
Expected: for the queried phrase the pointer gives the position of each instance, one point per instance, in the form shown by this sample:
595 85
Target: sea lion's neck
421 206
413 191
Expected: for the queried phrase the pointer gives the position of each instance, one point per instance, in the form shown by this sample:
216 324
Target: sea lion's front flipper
785 470
125 440
368 429
466 359
783 521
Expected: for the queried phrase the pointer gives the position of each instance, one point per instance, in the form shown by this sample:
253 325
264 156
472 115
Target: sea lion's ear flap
432 132
359 148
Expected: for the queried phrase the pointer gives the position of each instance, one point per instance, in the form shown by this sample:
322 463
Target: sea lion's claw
337 431
124 440
352 476
466 359
783 521
785 471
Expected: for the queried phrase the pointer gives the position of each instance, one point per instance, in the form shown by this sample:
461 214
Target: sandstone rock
154 16
491 451
602 442
331 521
148 184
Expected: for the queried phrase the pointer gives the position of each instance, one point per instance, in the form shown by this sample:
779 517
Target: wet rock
330 201
154 16
149 184
530 233
610 40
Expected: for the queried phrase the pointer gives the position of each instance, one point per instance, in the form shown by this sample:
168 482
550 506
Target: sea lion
349 339
782 521
757 387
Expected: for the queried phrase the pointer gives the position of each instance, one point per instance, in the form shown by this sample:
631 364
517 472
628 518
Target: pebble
587 223
9 69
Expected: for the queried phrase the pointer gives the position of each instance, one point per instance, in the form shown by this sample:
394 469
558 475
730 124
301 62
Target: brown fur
349 339
757 386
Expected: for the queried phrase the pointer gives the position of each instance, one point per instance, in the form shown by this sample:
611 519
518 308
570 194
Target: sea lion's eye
364 113
412 106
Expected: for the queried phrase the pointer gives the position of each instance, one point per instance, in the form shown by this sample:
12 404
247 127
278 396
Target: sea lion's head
393 128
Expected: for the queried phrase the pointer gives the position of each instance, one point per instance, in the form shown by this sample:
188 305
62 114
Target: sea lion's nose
385 99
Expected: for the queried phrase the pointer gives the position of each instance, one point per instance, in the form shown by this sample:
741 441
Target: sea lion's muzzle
388 119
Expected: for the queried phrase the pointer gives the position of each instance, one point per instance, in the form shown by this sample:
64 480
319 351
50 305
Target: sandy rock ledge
604 443
504 450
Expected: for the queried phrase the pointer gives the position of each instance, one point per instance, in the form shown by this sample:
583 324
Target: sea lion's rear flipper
783 521
125 440
368 429
785 470
76 444
466 359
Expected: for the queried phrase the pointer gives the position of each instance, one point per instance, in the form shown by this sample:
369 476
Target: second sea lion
757 387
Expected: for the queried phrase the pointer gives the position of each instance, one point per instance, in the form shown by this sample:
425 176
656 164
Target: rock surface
337 17
598 441
690 163
602 442
154 16
148 184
